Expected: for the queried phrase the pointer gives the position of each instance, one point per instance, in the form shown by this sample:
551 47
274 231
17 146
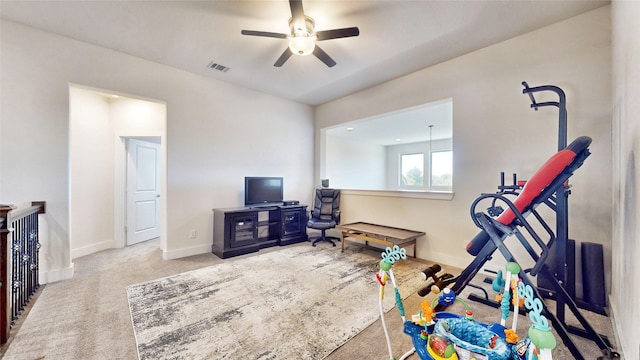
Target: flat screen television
263 190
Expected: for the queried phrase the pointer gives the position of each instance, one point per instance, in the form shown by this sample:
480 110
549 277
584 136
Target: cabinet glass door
243 230
291 223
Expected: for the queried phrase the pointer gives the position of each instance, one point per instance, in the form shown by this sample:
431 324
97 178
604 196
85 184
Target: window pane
412 170
441 168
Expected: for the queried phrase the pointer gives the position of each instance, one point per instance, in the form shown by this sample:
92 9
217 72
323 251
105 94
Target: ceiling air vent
215 66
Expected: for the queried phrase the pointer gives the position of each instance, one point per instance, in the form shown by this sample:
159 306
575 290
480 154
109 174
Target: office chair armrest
336 215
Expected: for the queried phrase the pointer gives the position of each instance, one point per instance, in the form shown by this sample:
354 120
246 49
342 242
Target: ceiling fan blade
283 58
264 33
297 13
323 56
337 33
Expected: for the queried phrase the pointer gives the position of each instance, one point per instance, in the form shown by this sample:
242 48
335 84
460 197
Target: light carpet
300 302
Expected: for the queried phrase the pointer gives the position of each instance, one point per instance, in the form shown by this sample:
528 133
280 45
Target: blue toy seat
473 336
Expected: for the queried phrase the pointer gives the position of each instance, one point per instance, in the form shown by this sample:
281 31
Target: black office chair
325 213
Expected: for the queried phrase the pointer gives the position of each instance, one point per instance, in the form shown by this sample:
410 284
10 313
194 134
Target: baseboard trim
184 252
51 276
92 249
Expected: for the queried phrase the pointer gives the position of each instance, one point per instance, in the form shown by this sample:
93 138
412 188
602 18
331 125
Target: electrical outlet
193 234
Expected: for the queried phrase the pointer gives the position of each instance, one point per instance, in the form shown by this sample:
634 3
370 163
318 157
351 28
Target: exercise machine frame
554 268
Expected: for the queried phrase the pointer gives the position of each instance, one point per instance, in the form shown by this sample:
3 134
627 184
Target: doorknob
157 195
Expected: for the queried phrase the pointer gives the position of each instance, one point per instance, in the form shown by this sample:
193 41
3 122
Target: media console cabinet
238 231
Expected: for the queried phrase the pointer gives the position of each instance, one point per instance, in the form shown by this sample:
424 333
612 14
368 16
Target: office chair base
328 239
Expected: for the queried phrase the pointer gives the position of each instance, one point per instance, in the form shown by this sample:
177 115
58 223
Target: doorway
101 124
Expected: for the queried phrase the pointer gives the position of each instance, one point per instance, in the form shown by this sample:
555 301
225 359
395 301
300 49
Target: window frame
439 187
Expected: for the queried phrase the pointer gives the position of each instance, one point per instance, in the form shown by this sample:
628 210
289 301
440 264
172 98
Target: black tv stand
238 231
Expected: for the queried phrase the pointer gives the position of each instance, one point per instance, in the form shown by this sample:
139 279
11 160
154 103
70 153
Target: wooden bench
379 234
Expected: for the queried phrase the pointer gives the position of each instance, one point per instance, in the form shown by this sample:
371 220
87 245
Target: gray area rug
300 302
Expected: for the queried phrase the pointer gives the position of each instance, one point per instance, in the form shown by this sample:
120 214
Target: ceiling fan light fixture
302 45
302 36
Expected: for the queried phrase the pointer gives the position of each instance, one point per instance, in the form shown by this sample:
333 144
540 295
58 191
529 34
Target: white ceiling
396 37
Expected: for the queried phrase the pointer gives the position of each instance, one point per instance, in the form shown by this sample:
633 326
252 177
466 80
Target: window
412 170
441 168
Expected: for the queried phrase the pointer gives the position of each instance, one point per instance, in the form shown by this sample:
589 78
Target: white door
143 191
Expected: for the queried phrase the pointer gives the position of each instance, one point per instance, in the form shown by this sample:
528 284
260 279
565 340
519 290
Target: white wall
91 167
626 175
494 130
216 134
353 164
137 118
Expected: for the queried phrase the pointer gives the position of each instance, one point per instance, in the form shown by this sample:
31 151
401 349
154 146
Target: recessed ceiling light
349 129
398 140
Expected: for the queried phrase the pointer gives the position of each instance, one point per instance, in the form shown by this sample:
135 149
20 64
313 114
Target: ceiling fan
303 37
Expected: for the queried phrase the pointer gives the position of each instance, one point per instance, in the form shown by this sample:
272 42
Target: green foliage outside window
412 169
413 177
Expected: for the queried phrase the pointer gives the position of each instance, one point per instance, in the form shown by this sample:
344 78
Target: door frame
120 190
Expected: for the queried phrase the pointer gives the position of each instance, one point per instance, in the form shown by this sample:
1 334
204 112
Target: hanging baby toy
389 257
447 336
